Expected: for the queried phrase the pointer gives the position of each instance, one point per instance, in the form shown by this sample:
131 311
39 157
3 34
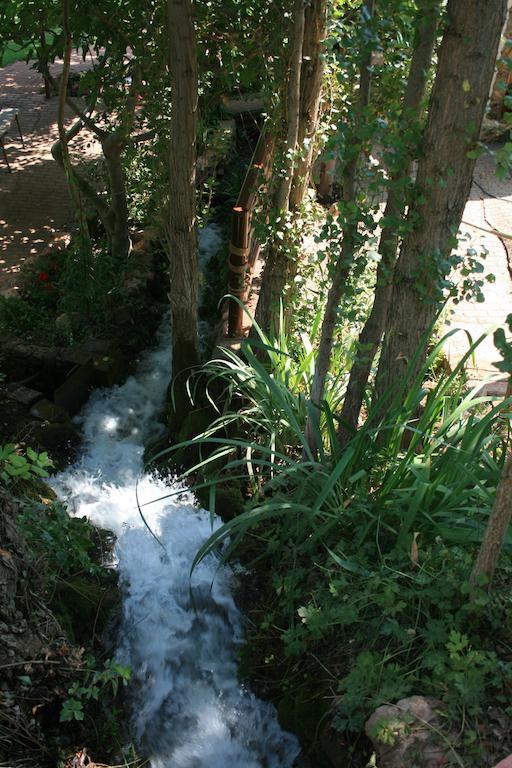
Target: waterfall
189 709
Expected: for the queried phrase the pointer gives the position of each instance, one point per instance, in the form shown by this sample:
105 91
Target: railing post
239 249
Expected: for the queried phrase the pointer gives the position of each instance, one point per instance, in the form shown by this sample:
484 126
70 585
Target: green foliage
11 52
89 290
400 473
370 548
504 347
67 544
64 297
15 466
267 388
95 684
21 317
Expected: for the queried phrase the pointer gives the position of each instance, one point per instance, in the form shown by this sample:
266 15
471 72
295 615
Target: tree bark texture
113 147
311 80
496 530
74 189
466 63
344 262
274 275
371 334
183 293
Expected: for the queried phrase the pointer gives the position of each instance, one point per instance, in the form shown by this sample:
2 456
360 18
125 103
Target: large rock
406 734
506 763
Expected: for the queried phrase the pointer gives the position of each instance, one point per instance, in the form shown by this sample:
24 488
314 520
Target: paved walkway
35 208
489 207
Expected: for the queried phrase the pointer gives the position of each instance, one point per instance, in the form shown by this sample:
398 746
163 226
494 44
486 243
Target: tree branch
84 117
84 186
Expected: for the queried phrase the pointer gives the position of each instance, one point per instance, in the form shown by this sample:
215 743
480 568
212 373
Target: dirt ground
35 209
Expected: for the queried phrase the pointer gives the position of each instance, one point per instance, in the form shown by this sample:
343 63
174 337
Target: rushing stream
189 709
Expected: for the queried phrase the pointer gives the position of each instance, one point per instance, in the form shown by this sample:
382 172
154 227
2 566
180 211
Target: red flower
49 287
43 276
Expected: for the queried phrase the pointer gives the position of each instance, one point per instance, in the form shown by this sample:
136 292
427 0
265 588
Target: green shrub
20 317
15 466
67 544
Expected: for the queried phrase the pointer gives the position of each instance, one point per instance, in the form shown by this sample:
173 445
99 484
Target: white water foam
190 711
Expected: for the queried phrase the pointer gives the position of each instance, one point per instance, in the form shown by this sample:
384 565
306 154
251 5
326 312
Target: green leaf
17 460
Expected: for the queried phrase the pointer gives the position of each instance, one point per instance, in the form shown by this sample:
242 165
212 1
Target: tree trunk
282 198
74 189
496 530
113 147
311 79
344 262
183 294
371 334
44 57
464 74
274 275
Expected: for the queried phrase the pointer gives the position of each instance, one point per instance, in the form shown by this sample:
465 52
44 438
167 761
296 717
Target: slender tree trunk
183 293
311 80
371 334
74 190
344 262
293 109
312 75
274 275
44 57
113 147
496 530
467 58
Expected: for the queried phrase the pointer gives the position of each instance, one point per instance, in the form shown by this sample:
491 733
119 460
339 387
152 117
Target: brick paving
35 208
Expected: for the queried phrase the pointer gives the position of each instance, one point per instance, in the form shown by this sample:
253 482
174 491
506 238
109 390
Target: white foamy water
189 709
